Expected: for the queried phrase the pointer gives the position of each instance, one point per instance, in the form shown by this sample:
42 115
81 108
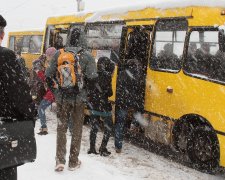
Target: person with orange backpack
74 69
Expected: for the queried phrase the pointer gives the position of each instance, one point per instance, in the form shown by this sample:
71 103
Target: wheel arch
195 120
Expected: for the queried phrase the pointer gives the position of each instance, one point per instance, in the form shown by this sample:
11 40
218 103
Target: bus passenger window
104 37
167 59
168 45
58 42
205 59
18 44
12 43
35 44
26 42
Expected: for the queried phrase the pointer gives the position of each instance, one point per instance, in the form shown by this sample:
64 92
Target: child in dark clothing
100 107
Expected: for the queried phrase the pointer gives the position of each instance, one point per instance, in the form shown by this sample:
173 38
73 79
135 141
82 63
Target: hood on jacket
104 64
77 40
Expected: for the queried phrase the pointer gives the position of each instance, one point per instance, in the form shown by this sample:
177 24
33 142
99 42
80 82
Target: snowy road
132 164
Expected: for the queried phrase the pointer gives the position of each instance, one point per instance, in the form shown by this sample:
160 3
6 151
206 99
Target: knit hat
39 63
2 22
50 51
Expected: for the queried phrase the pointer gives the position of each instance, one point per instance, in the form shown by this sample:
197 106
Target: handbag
17 143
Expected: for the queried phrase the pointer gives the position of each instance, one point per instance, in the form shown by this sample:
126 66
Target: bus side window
35 44
58 44
168 45
12 43
105 38
25 44
205 60
60 39
18 44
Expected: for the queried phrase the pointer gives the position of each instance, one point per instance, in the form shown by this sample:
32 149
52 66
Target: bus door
132 68
164 82
103 40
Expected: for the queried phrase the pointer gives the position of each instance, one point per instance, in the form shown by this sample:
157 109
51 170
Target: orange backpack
69 70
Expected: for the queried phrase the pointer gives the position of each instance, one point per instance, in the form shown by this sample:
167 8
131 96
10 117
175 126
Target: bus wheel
202 148
181 136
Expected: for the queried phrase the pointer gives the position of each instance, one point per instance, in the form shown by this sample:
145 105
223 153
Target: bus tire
181 135
203 149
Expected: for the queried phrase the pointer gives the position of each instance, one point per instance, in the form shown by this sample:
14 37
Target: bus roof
68 19
199 15
22 33
170 4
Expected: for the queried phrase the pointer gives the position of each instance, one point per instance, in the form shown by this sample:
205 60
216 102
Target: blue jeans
119 126
41 112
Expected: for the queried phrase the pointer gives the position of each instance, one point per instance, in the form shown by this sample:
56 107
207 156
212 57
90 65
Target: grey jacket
88 67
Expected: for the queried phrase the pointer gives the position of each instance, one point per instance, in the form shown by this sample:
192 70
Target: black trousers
95 126
8 174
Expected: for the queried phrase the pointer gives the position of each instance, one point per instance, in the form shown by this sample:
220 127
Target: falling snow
133 163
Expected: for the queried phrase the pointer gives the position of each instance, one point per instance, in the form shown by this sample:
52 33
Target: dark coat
15 98
24 69
37 87
129 94
98 98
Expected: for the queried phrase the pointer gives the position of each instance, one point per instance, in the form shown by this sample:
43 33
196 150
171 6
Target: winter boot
59 167
104 152
118 150
43 131
73 168
92 151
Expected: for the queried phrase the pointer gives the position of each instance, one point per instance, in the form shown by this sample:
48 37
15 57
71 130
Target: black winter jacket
98 99
15 98
129 94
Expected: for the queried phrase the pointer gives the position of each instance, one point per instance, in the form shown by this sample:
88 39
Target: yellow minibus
28 43
181 52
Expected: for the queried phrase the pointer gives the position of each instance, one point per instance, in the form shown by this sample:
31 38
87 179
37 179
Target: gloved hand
34 97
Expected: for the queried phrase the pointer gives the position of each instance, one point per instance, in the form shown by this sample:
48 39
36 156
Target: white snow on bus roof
160 4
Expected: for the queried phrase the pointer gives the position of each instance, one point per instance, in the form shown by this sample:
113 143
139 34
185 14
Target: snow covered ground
132 164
